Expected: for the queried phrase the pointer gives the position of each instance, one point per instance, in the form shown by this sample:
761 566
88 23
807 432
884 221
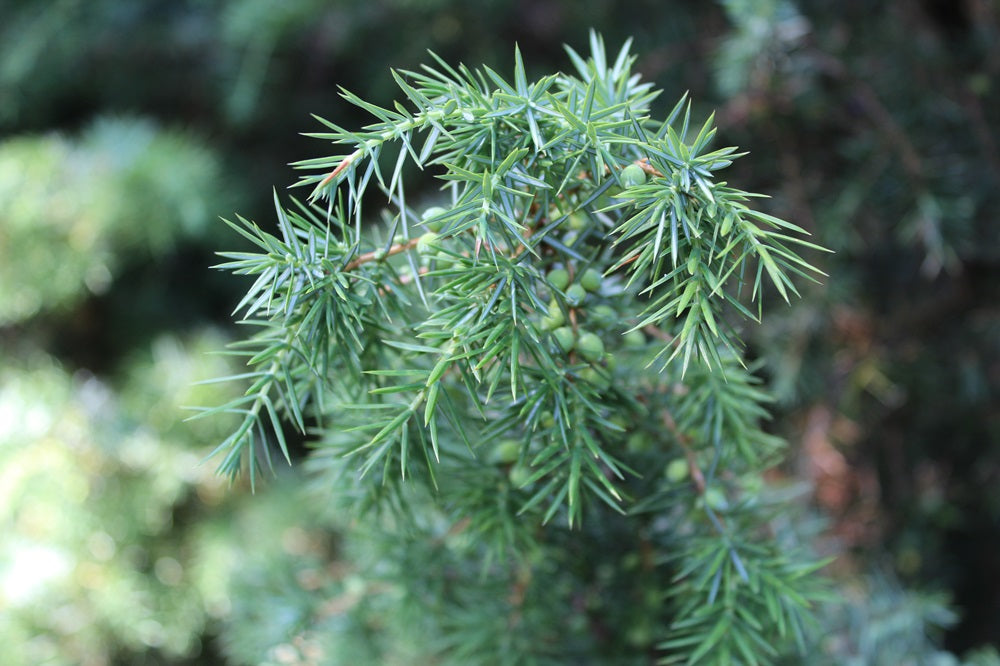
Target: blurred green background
127 129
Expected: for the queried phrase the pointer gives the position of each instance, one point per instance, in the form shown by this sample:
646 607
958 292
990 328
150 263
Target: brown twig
376 255
517 594
648 168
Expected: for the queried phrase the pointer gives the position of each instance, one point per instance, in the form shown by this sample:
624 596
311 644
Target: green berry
546 420
715 499
559 278
591 279
575 295
577 221
590 346
634 339
638 442
632 176
555 311
603 314
632 561
548 323
595 377
639 636
565 338
677 470
430 215
432 212
752 484
425 242
610 362
555 317
519 475
506 451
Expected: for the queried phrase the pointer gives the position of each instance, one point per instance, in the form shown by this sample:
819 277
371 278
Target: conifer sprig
574 290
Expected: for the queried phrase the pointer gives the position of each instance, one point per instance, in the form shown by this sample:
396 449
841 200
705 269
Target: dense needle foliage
532 389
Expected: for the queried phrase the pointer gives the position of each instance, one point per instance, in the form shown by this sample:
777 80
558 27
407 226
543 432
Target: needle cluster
535 379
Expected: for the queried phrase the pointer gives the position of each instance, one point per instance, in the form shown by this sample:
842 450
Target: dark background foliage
872 124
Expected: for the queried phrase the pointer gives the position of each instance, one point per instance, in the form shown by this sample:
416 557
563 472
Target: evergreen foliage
95 481
79 211
895 626
872 125
533 391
